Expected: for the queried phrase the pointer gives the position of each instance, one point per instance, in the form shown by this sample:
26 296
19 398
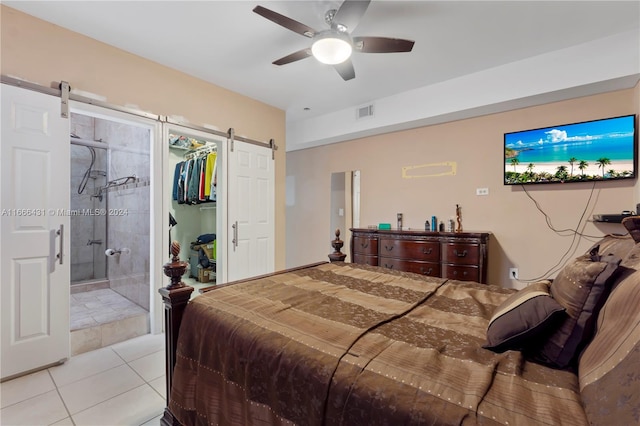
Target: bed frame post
175 298
337 255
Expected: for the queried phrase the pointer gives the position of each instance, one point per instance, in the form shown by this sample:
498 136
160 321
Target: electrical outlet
513 273
482 191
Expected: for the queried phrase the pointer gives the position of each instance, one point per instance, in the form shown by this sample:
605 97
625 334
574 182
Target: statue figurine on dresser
458 218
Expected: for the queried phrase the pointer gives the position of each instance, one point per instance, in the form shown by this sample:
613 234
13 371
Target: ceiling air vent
364 111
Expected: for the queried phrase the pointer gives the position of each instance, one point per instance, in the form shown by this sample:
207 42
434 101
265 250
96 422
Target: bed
339 343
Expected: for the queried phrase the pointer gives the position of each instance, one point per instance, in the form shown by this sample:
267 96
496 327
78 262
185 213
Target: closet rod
198 152
83 99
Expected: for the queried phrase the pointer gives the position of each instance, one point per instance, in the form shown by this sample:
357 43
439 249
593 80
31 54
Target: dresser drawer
461 253
408 249
366 246
453 255
462 273
423 268
365 260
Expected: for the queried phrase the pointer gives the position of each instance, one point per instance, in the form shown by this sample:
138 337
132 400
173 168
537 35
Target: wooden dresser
454 255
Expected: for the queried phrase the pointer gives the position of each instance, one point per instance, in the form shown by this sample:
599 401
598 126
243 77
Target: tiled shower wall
128 221
128 209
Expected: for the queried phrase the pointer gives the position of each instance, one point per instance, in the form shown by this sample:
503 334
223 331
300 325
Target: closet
242 216
193 213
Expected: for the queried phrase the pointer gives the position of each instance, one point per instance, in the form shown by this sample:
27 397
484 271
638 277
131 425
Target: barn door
34 231
251 225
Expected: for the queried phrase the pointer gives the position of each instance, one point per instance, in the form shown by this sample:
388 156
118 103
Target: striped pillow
522 318
608 368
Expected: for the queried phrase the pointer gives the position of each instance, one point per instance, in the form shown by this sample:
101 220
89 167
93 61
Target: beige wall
43 53
637 190
520 237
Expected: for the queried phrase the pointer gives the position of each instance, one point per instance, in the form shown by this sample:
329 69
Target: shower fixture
87 174
113 252
122 181
114 183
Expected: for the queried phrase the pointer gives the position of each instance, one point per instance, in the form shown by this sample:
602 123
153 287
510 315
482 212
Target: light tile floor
122 384
97 307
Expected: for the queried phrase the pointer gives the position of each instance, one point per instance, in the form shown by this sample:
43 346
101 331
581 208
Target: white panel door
34 231
251 211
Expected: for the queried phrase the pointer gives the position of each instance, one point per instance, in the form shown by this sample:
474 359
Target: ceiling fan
335 45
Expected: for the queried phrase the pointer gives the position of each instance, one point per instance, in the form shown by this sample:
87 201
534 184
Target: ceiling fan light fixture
332 47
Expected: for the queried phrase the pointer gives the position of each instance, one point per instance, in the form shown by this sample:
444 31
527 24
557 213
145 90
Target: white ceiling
225 43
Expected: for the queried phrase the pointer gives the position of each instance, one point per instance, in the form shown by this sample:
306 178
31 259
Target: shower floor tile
97 307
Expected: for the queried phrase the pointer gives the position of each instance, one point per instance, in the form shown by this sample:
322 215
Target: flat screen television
597 150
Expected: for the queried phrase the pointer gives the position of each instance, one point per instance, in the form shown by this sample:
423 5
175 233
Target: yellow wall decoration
446 168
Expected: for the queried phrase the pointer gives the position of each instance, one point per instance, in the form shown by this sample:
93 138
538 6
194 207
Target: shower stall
109 230
89 230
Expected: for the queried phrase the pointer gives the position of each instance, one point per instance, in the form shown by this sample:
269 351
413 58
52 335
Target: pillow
632 223
581 288
521 318
618 245
608 367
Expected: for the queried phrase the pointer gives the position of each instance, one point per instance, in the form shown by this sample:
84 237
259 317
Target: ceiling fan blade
382 44
295 56
350 13
284 21
345 69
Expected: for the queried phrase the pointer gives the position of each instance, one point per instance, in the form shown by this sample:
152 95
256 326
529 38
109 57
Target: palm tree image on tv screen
589 151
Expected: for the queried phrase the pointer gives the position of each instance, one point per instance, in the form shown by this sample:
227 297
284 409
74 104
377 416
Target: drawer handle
463 254
425 251
429 271
365 244
389 248
463 273
388 266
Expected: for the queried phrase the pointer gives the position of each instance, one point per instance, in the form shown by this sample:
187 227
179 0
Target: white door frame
157 225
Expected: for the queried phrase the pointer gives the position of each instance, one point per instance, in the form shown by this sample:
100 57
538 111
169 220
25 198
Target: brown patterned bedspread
356 345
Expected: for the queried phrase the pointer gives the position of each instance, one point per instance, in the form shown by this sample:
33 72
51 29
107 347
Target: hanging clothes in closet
194 180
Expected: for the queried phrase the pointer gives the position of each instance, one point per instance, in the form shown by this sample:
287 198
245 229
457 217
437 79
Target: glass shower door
88 202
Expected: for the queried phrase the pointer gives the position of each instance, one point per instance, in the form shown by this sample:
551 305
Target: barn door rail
63 90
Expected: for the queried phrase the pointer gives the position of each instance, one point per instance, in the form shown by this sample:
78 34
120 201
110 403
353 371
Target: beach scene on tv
589 151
